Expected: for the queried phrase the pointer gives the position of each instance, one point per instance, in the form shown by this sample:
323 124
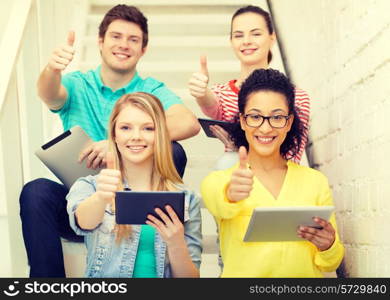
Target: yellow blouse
302 186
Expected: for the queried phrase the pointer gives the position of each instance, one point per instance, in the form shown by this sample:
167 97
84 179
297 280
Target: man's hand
95 154
63 55
241 184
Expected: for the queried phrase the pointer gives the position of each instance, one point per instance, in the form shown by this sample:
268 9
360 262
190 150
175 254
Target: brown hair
126 13
259 11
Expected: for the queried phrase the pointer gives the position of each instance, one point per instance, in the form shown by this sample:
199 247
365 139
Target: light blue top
90 102
145 262
106 258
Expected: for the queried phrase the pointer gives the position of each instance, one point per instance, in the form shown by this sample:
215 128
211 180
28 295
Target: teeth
248 51
121 55
136 147
264 140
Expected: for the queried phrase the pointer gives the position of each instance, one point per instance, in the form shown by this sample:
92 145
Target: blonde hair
164 174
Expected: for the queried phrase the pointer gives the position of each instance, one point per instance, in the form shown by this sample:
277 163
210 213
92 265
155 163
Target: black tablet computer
205 123
132 207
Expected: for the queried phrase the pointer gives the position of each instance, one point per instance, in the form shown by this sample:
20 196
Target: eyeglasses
256 120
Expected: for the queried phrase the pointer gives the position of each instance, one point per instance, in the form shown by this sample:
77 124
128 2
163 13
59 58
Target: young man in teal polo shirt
86 99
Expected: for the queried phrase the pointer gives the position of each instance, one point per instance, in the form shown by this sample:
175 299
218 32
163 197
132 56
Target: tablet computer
205 123
277 224
133 207
61 154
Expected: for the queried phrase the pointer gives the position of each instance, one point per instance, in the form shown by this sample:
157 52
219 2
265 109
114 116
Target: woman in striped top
252 37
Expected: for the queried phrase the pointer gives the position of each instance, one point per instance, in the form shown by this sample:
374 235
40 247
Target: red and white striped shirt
226 109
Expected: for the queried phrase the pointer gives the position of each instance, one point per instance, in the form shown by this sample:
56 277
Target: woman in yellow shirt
267 130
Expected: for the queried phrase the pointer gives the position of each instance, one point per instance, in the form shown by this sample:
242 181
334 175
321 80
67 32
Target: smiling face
250 39
121 47
135 135
265 140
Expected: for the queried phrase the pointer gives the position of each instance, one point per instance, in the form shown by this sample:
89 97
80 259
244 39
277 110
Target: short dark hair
259 11
275 81
126 13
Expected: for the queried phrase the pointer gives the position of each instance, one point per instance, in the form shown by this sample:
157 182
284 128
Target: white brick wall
339 51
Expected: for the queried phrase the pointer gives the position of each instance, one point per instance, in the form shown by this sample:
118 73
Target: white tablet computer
277 224
61 154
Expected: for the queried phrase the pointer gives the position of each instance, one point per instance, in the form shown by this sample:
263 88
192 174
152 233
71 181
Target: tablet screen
132 207
275 224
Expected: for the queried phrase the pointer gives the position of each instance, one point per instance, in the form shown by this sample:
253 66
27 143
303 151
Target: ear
100 43
242 122
273 39
144 50
290 122
114 133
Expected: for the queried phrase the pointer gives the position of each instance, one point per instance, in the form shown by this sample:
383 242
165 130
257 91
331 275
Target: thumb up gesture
241 184
63 55
199 81
108 180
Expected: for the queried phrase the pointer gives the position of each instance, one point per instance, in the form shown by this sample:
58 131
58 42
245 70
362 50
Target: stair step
208 223
175 19
172 67
210 245
209 267
183 93
139 3
176 75
5 252
177 79
189 66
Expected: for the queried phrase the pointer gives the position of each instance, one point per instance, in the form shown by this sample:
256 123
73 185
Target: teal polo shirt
90 102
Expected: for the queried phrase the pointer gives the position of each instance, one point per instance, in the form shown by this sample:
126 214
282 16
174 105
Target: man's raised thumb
71 38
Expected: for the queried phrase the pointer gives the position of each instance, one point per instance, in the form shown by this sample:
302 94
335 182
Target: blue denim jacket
106 258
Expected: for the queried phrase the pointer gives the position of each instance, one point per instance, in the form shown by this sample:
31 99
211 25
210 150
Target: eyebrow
240 31
127 123
120 33
272 111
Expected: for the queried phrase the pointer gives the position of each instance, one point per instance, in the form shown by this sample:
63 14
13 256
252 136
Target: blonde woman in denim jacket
140 159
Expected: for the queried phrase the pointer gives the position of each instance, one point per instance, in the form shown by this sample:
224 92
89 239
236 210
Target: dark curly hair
259 11
275 81
127 13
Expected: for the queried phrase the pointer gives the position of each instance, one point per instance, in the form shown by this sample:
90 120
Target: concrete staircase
179 32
